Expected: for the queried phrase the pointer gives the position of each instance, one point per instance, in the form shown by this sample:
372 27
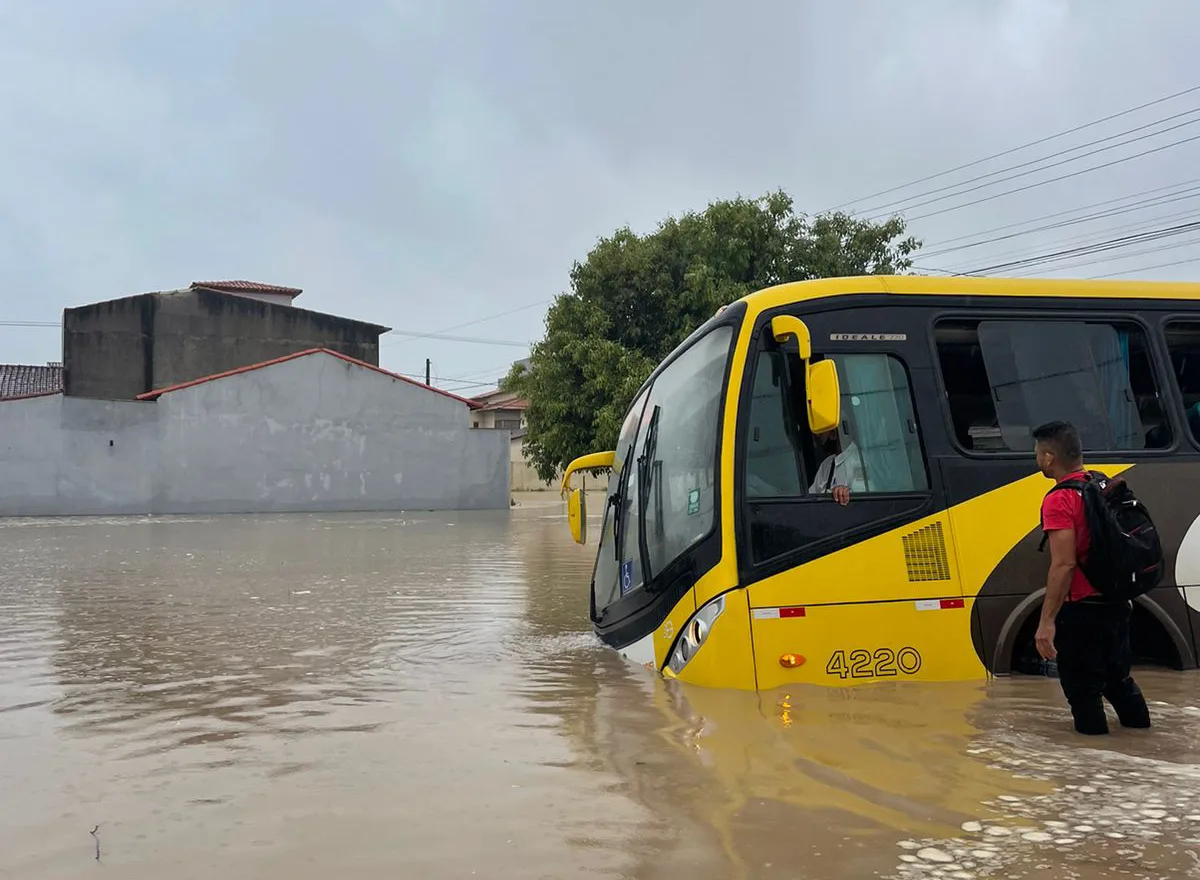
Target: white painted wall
312 433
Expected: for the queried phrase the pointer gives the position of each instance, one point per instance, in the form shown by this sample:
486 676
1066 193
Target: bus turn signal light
791 661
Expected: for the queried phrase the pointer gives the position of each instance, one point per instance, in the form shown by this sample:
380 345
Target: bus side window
1183 343
773 468
1003 378
876 449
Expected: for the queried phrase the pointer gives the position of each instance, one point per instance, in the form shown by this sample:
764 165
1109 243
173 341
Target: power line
1146 268
1099 247
441 336
1087 236
1100 215
1041 159
1016 149
1141 253
471 323
963 192
475 339
1051 216
1061 177
460 384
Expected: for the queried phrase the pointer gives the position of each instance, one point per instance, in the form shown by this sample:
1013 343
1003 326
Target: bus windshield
664 474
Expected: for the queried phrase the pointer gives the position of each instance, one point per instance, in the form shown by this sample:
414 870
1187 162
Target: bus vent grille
925 554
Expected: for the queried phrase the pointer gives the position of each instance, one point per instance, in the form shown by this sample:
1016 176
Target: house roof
515 403
248 287
499 399
158 392
25 380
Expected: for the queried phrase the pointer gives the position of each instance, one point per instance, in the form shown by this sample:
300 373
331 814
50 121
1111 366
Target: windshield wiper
645 467
617 501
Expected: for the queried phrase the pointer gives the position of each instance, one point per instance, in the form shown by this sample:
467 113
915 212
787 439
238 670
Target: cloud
424 164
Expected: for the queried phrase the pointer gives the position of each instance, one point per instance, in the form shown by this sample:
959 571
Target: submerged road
419 695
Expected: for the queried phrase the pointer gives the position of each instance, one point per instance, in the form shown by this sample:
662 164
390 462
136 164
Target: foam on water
1140 813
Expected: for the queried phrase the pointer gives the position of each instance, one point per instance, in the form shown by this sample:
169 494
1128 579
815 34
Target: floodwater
419 696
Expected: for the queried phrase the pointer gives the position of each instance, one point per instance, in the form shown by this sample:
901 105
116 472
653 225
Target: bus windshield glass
664 473
617 519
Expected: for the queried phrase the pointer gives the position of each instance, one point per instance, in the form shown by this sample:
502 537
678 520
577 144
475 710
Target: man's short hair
1062 438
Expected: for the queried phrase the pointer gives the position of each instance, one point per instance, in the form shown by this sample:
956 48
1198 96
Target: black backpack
1125 558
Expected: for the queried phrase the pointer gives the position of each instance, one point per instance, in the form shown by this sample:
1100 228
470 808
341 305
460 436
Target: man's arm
1058 584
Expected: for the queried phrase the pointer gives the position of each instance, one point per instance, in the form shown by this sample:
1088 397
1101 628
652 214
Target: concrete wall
60 455
310 434
524 477
125 347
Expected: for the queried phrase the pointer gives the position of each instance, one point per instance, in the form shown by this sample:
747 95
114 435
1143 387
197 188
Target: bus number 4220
880 663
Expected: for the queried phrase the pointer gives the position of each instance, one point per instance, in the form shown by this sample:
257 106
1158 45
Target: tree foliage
636 297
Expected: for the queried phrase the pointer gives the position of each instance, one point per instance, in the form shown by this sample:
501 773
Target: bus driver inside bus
840 471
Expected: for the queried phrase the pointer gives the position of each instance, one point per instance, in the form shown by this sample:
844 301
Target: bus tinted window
876 449
1183 342
772 459
679 443
878 437
1005 377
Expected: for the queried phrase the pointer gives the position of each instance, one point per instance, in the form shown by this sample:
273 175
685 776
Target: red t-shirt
1064 510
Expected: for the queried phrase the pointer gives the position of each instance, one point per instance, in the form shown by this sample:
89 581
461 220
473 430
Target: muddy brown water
419 695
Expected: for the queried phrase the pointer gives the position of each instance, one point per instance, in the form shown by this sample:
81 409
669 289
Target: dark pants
1094 659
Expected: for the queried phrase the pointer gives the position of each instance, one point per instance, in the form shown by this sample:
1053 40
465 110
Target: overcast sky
425 164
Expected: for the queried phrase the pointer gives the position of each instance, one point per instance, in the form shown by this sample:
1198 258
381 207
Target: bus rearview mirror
824 396
577 515
820 378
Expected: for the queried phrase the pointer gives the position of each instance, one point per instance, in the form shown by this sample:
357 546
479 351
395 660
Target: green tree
636 297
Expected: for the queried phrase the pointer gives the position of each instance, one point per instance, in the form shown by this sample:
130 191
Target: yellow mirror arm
593 462
783 326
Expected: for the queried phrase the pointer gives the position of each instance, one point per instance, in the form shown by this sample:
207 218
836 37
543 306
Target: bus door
868 590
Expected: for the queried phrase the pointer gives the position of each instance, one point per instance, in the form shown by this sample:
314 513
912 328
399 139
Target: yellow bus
725 560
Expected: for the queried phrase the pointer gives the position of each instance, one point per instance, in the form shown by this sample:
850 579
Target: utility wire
471 323
963 192
1145 269
1137 195
1099 247
476 339
1083 263
1182 196
1024 146
1061 177
1095 235
1041 159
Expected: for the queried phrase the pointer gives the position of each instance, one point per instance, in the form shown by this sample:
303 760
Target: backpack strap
1077 485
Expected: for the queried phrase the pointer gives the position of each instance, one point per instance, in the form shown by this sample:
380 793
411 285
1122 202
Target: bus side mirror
824 396
577 515
820 378
576 503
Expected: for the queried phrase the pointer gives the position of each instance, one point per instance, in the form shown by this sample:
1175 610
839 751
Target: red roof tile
23 380
248 287
156 393
510 403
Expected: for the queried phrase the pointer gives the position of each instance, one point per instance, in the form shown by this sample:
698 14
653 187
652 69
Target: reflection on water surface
420 695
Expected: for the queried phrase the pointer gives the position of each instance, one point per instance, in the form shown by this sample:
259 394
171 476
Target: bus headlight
694 634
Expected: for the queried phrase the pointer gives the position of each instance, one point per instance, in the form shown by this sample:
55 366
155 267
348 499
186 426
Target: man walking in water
1088 633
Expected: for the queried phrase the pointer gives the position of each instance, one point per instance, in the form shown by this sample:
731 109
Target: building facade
310 431
124 347
504 411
